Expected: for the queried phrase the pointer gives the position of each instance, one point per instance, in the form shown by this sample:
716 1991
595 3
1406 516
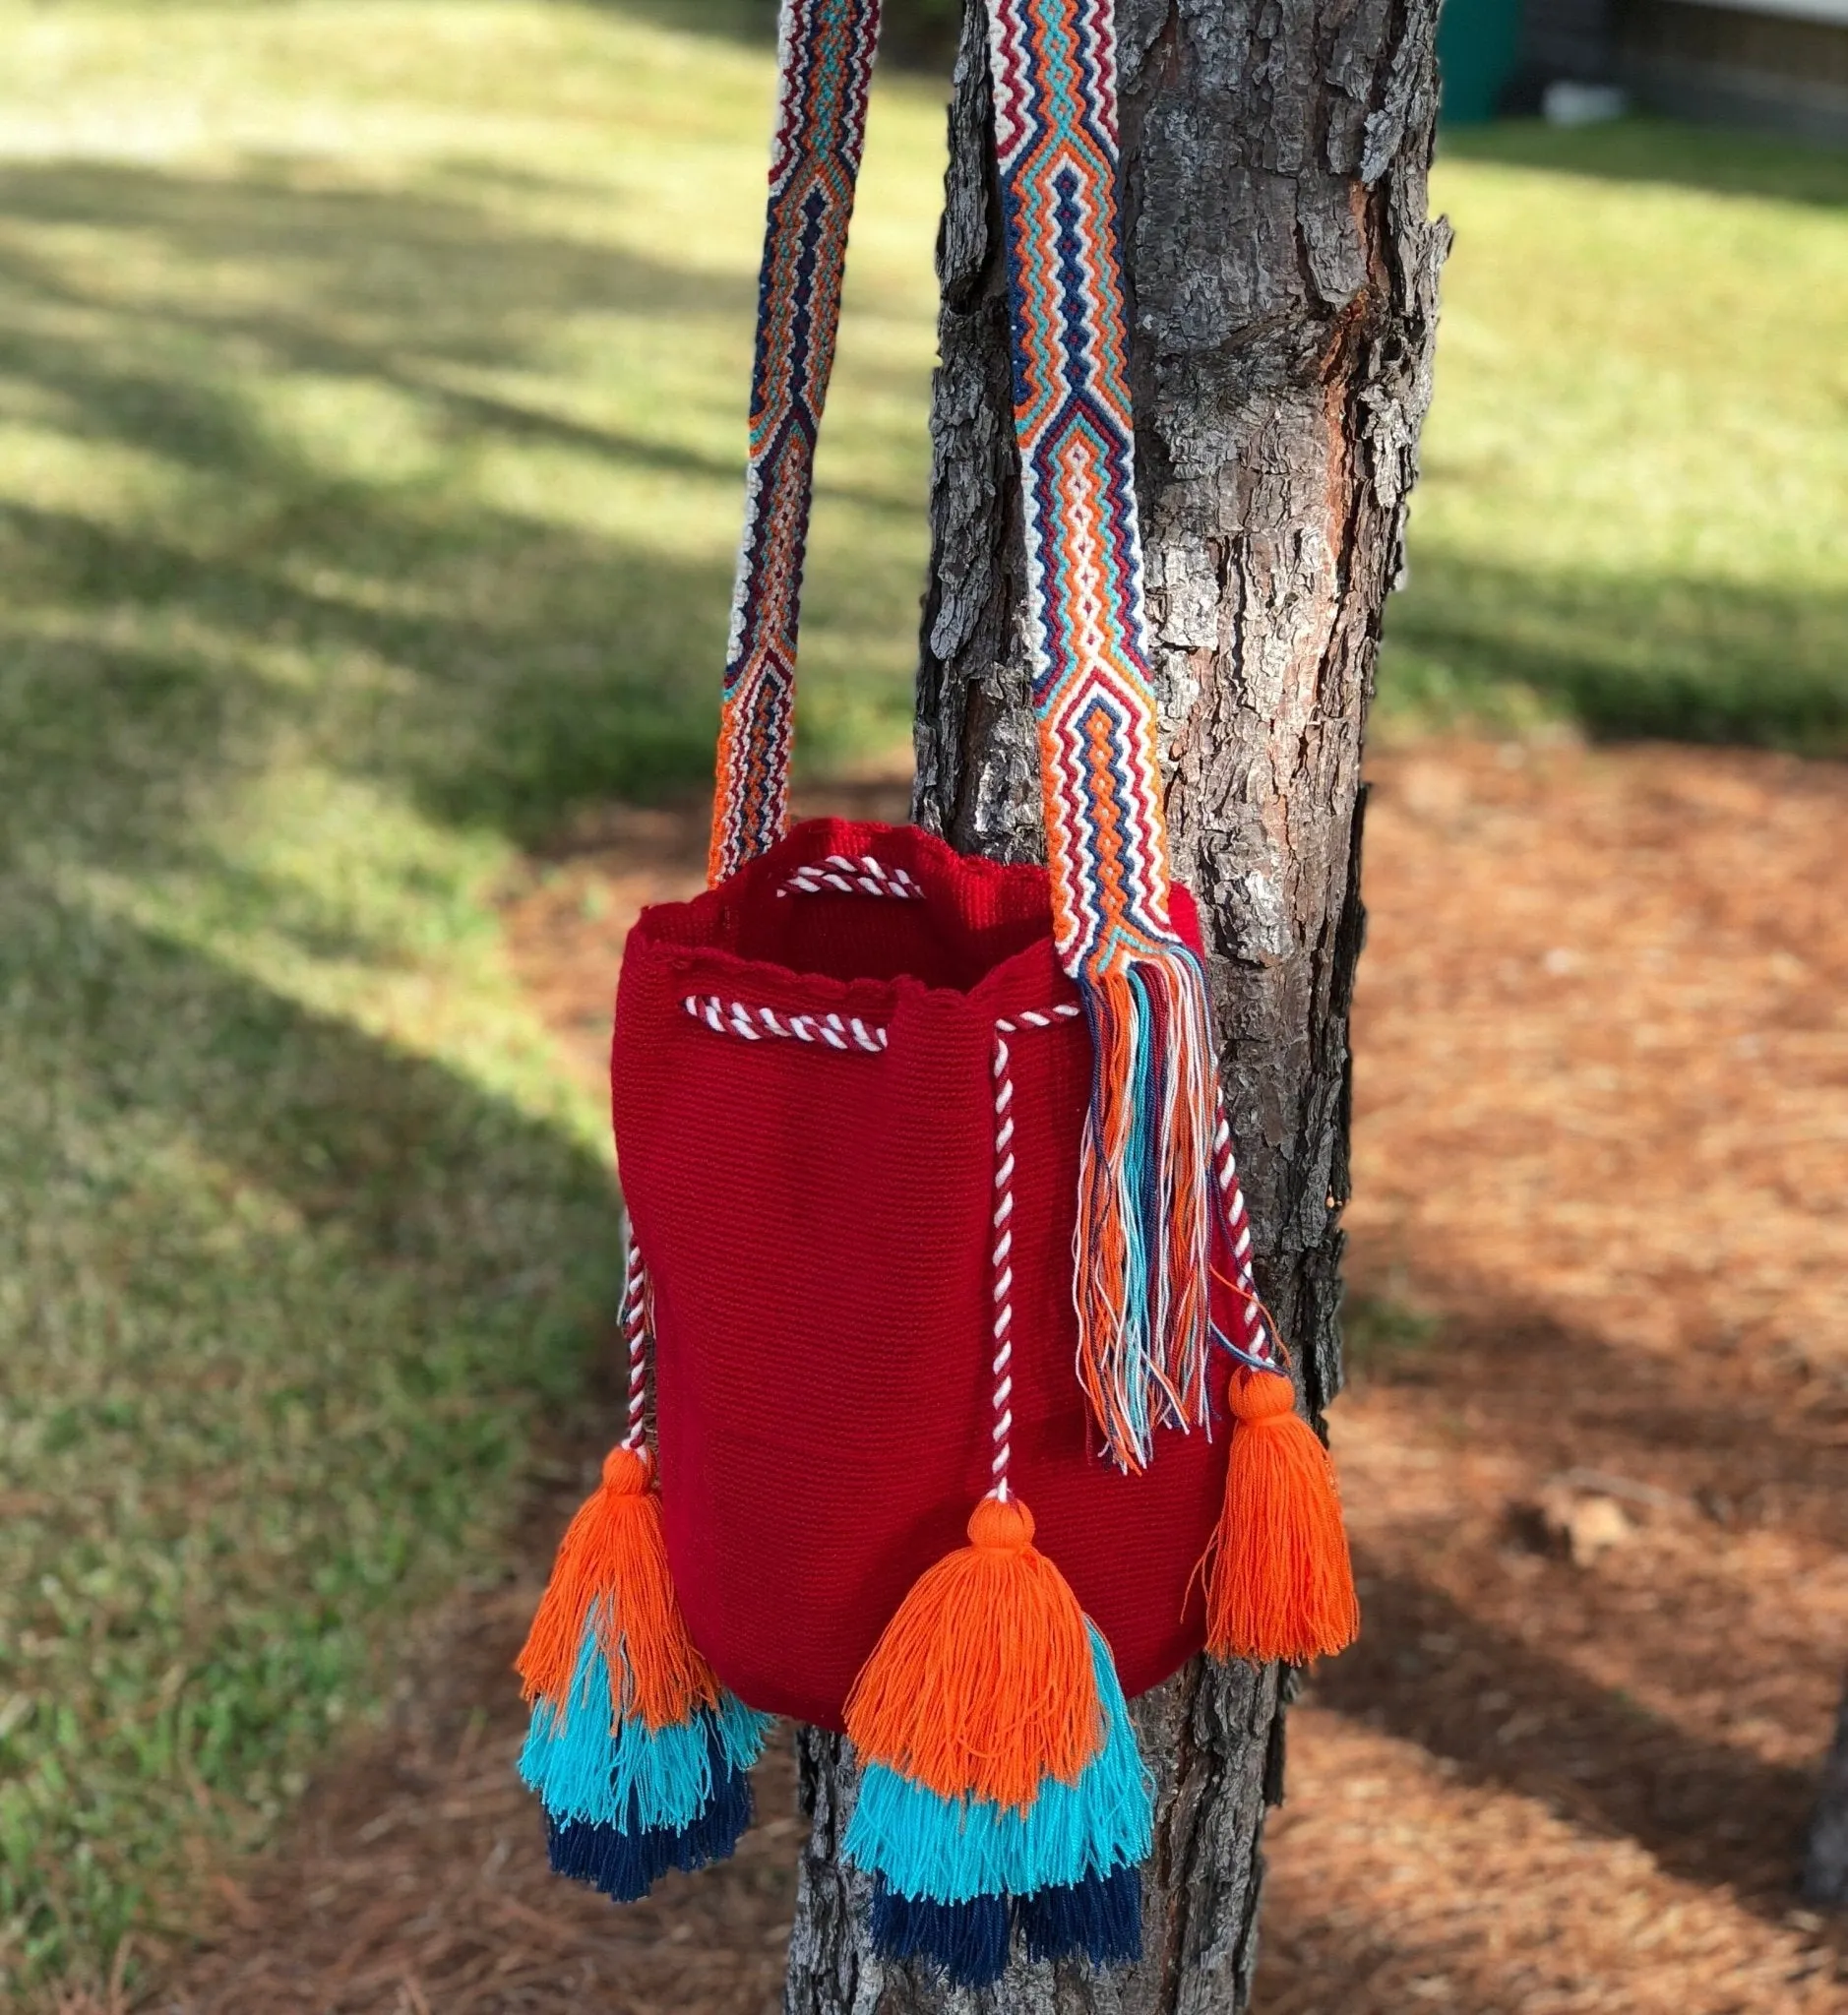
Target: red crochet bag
931 1196
818 1220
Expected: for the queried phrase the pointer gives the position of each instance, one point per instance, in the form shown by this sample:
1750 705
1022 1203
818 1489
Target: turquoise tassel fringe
585 1765
956 1850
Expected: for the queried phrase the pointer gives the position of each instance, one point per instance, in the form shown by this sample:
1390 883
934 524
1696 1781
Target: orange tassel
983 1683
1279 1583
613 1561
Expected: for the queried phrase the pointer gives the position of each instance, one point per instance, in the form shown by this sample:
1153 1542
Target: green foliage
921 27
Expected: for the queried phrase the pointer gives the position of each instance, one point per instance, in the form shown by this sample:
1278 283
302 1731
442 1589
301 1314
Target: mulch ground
1595 1455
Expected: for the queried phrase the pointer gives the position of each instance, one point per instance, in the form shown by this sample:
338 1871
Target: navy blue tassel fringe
625 1862
966 1941
1100 1918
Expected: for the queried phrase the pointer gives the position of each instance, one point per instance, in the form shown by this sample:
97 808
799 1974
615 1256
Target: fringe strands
956 1879
954 1850
612 1567
1145 1202
638 1755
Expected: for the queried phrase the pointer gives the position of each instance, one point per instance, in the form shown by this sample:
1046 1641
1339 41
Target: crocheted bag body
819 1220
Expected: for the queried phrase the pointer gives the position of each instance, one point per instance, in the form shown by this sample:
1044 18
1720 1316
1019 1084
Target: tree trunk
1283 277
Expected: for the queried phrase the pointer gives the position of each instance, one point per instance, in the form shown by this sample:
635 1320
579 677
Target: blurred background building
1777 65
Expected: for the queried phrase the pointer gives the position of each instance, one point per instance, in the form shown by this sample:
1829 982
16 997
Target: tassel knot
1001 1525
982 1682
1256 1398
627 1471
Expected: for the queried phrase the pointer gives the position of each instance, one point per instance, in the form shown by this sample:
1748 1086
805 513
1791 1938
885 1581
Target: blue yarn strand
625 1862
965 1941
1100 1918
624 1858
954 1851
741 1730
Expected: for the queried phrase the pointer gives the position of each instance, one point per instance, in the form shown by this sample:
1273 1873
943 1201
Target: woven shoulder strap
1146 1203
824 67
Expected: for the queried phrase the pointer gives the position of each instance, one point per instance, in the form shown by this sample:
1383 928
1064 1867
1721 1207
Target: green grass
371 418
1636 467
371 383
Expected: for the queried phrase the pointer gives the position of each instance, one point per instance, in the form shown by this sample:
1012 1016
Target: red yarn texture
818 1229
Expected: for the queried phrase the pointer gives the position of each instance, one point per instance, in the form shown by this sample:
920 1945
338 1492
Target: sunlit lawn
371 385
1635 510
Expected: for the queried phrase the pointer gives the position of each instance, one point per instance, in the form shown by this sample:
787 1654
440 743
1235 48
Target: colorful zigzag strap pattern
636 1752
1146 1197
825 63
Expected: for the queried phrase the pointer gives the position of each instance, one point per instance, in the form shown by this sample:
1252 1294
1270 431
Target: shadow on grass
740 20
918 36
1665 658
293 1299
531 662
1643 149
304 492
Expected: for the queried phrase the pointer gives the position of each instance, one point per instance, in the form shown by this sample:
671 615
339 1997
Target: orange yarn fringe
983 1682
1279 1583
613 1560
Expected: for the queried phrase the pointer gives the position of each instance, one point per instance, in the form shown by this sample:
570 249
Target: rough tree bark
1283 276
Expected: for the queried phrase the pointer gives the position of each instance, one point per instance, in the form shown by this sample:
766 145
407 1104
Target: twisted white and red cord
1001 1260
844 875
1256 1341
637 1324
1002 1265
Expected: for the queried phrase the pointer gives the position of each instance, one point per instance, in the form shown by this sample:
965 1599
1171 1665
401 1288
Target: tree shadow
284 1295
289 1300
918 38
522 661
1561 1397
1667 657
1476 1670
1648 150
751 22
1428 1670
